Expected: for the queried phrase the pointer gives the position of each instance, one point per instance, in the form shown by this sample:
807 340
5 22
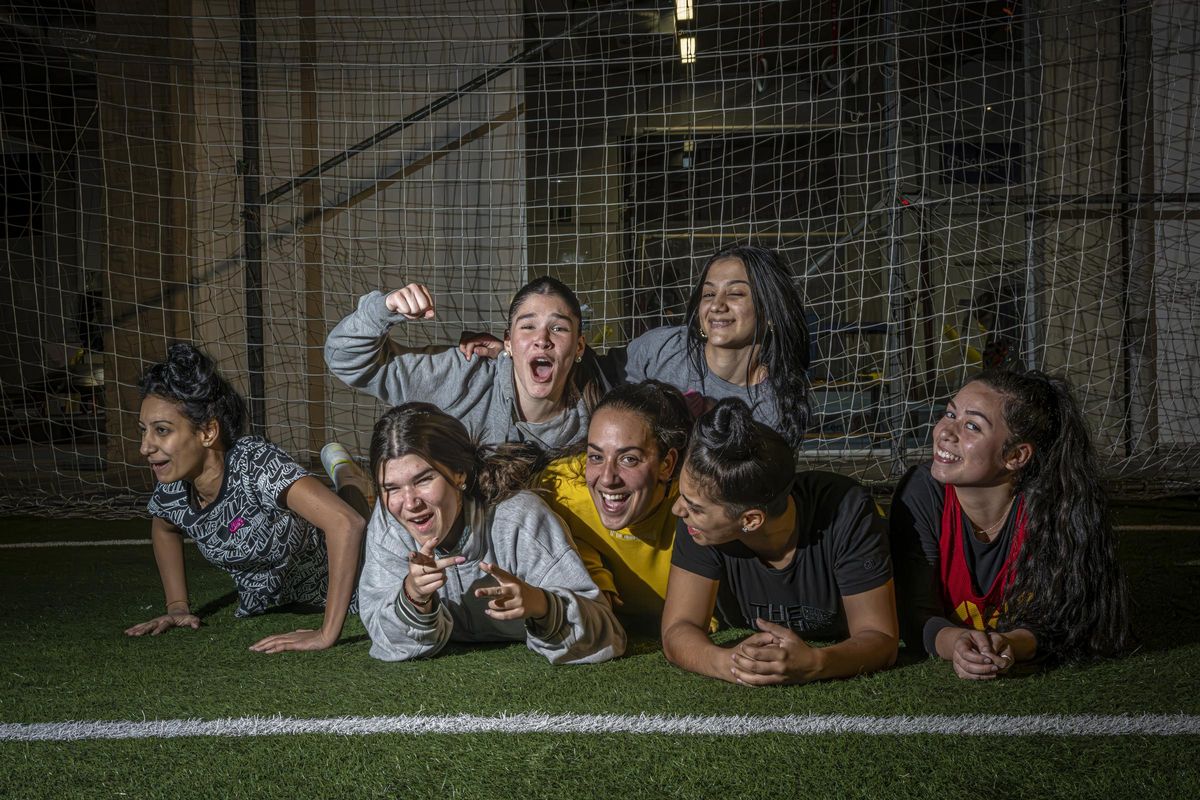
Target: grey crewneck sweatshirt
479 392
524 537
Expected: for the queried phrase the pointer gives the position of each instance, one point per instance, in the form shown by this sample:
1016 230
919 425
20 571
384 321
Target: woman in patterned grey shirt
251 510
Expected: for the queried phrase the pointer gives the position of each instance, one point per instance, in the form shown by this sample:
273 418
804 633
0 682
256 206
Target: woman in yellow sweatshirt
616 494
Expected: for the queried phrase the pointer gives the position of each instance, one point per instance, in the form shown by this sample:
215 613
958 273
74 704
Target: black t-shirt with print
841 550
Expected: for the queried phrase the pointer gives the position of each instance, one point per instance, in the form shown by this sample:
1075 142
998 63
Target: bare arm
343 529
777 655
167 541
689 606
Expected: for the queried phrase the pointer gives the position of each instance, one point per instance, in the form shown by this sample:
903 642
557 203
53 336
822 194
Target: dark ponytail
494 472
1067 584
190 379
741 463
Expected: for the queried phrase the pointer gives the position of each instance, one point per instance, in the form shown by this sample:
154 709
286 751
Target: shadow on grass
213 606
1163 570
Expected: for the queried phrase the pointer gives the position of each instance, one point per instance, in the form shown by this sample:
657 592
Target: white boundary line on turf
795 725
124 542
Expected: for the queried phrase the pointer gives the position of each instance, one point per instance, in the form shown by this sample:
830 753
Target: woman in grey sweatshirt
744 336
538 392
454 552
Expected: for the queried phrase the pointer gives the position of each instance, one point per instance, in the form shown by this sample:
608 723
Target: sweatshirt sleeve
580 627
360 353
398 631
915 529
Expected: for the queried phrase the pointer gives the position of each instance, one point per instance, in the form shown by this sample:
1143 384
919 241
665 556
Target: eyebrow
728 283
630 449
969 412
554 314
156 422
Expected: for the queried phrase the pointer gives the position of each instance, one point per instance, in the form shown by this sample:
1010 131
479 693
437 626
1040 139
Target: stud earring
578 359
462 487
745 529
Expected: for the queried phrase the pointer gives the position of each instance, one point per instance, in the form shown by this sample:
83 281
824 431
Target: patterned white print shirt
275 556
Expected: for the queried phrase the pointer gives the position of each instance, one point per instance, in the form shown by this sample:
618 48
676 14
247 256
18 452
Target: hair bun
189 372
730 428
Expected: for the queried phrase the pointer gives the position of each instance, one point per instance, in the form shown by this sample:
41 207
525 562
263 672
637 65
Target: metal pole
894 379
252 217
1033 131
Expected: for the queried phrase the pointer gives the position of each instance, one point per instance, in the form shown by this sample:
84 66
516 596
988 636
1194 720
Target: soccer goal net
955 185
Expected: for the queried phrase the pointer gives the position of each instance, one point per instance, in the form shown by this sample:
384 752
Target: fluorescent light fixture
684 10
687 49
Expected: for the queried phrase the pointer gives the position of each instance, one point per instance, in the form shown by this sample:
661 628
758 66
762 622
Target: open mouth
695 534
419 523
158 467
541 369
945 456
614 503
717 324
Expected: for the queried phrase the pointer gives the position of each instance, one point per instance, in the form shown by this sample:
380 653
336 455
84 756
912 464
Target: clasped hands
775 655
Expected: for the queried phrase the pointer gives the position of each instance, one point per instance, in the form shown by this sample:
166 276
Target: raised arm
168 554
360 352
689 606
343 529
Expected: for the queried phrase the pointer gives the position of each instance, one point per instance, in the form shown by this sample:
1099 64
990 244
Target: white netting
953 184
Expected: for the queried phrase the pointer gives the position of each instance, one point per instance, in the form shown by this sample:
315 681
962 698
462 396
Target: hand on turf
479 344
427 574
164 623
413 301
302 639
512 598
980 656
775 655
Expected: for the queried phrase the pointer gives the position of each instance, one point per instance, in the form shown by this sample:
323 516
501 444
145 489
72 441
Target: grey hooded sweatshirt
478 392
524 537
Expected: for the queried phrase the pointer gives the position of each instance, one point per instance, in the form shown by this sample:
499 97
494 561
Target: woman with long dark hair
539 391
1003 544
798 556
457 552
617 493
251 510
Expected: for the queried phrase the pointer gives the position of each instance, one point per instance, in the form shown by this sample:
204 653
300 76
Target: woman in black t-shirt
803 556
1003 546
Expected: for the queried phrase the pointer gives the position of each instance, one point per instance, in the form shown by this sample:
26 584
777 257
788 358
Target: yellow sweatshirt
633 562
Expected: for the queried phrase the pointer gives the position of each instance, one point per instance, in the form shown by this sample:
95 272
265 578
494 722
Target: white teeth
613 498
945 456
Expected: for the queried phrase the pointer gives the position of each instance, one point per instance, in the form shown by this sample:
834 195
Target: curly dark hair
1067 584
189 378
780 332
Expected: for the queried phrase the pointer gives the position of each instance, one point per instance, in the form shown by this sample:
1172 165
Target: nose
679 508
144 448
610 475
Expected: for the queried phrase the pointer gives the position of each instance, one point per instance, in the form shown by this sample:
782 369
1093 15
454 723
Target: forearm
863 653
343 549
688 647
168 555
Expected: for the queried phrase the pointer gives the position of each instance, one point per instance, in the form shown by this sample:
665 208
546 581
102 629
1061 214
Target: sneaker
333 455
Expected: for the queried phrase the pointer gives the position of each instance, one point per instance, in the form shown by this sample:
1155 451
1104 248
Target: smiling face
625 475
421 498
544 341
726 309
969 440
706 519
174 447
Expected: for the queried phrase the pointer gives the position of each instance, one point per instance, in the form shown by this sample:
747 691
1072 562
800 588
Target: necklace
982 534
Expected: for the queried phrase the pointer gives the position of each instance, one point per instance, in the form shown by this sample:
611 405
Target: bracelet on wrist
409 597
183 603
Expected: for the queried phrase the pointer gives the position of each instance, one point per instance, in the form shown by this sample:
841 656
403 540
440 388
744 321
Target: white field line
805 725
124 542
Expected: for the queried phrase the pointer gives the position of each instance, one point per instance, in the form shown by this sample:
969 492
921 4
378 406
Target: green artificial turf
63 657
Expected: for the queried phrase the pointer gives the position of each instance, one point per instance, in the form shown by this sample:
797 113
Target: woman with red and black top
1002 544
